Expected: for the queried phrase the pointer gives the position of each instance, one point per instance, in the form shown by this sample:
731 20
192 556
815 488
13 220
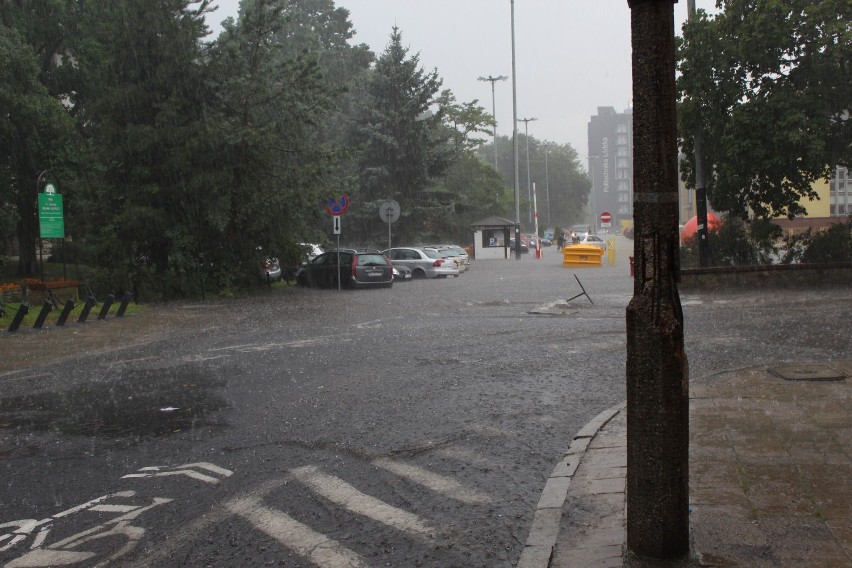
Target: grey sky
572 56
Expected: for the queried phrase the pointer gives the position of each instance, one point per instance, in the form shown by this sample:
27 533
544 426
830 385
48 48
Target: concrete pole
515 140
657 370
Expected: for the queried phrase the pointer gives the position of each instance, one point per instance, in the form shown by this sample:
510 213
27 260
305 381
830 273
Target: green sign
50 216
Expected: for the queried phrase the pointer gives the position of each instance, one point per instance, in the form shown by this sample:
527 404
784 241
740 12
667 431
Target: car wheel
418 274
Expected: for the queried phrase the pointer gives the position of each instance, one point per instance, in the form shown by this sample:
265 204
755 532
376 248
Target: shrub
736 243
832 245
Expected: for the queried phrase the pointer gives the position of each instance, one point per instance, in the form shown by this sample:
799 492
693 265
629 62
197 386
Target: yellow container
581 255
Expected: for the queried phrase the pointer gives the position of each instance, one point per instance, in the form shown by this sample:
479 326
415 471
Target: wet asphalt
304 403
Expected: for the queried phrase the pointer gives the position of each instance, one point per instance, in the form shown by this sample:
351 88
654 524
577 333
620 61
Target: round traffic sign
337 206
606 217
389 211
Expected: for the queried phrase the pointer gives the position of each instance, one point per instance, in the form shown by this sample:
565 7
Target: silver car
457 249
424 263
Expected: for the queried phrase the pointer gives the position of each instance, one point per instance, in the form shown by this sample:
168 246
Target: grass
11 309
52 271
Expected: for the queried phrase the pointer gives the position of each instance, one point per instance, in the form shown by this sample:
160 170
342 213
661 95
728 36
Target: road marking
438 483
338 491
301 539
61 554
155 471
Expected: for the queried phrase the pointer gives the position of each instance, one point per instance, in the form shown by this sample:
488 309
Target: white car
423 262
311 250
593 240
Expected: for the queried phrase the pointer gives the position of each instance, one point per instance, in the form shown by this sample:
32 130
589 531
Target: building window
621 127
621 139
493 238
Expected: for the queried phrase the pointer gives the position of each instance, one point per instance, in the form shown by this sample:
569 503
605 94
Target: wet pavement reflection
133 402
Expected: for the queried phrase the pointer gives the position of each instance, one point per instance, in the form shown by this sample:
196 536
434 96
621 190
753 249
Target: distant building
611 168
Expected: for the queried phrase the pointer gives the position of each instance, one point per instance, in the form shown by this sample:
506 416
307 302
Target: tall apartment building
611 167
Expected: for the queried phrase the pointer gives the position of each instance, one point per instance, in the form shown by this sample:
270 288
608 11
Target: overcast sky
571 56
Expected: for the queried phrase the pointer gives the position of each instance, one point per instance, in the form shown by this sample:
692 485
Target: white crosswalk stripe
301 539
438 483
338 491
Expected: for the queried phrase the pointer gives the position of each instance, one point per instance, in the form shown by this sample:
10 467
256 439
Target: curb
548 513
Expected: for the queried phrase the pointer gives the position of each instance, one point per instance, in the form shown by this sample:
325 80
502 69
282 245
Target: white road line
438 483
301 539
340 492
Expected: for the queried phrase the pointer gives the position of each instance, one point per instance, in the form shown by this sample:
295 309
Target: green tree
406 147
561 185
272 106
769 84
35 128
139 100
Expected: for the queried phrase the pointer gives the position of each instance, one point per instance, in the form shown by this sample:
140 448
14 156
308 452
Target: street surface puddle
137 402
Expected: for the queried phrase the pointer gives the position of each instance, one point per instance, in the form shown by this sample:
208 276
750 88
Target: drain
812 372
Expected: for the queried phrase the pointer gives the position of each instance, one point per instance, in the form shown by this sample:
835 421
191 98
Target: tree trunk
657 371
27 232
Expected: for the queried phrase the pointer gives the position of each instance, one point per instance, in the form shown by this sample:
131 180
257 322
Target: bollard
42 315
124 301
105 308
66 311
19 317
87 307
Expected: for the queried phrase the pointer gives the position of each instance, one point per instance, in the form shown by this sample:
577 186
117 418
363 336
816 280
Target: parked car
423 262
457 249
270 270
356 269
401 273
452 256
524 245
311 250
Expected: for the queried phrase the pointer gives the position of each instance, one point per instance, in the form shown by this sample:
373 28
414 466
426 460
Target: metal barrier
581 255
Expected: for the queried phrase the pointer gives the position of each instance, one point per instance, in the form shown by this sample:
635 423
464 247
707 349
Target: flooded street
412 426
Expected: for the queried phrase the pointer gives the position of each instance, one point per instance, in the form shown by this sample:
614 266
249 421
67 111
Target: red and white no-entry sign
606 217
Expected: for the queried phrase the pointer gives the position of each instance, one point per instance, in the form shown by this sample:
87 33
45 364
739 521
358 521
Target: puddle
130 404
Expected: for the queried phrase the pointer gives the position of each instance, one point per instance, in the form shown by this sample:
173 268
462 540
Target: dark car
401 273
356 270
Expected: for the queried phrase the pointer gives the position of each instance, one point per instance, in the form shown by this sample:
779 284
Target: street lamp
526 122
515 140
494 109
547 182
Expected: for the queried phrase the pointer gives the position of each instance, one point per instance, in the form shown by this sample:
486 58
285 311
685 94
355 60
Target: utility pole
515 139
526 122
494 109
657 370
700 181
547 184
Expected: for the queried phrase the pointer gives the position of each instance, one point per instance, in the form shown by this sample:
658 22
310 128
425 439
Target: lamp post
494 109
526 122
547 183
515 140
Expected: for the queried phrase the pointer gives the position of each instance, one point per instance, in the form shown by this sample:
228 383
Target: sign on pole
389 212
51 214
605 219
335 219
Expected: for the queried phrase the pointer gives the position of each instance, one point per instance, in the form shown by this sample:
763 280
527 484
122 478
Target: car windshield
432 253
